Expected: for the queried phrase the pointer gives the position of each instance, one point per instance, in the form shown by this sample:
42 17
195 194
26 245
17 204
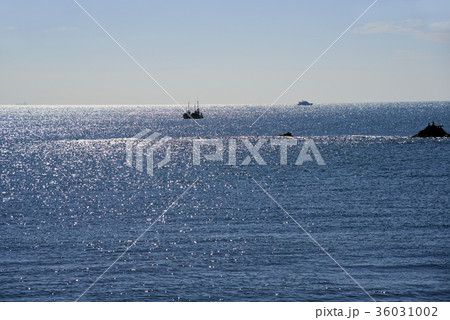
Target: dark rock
432 131
287 134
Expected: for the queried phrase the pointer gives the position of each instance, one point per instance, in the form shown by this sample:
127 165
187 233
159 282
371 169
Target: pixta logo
143 145
308 148
140 145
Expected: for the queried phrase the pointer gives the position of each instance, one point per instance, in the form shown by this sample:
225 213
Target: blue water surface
70 206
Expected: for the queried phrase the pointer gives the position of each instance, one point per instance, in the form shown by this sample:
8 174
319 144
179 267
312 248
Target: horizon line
217 104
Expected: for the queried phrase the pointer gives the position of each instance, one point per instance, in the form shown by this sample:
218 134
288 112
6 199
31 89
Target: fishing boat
196 114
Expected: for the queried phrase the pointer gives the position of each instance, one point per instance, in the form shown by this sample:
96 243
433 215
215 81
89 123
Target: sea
80 223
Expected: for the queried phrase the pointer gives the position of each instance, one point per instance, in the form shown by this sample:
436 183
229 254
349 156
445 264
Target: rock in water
287 134
432 131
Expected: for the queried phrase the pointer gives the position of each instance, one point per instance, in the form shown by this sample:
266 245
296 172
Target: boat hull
192 116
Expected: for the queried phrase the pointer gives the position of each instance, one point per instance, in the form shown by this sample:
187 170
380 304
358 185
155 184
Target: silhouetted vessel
304 103
193 115
432 131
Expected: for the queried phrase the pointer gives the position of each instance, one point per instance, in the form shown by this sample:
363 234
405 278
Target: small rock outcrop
432 131
287 134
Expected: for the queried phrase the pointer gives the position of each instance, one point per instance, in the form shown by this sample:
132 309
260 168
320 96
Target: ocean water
69 206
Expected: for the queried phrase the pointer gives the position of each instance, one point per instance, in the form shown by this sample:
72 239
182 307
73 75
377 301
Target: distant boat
193 115
304 103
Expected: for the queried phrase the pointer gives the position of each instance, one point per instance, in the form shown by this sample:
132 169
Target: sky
223 52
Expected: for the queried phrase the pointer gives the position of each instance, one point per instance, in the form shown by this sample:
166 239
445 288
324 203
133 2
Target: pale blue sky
224 52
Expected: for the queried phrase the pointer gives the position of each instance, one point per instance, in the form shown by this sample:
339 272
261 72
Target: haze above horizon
223 52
